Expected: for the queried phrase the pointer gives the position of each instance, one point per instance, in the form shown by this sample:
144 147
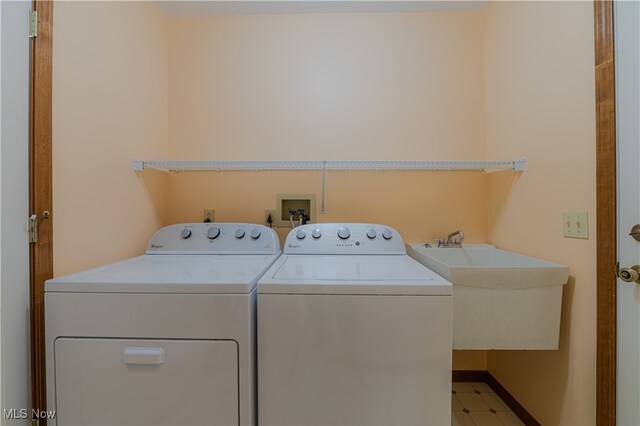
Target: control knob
185 233
371 233
343 232
301 234
316 233
239 233
255 234
387 234
213 233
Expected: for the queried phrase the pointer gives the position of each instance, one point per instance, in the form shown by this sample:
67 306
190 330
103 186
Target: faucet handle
460 235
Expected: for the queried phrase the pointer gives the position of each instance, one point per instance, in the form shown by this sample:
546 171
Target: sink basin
484 265
501 300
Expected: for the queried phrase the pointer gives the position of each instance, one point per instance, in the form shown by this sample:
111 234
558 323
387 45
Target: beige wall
541 103
110 90
393 198
327 86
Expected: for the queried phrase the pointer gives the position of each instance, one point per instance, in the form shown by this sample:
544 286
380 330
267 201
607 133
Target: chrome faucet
451 242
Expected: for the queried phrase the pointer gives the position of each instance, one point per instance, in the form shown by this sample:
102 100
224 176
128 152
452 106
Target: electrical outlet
575 225
271 213
209 215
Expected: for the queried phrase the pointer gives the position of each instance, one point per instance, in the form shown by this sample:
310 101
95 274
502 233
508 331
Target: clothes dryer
167 338
352 331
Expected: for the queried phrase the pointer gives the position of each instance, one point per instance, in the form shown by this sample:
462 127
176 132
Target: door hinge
33 24
33 228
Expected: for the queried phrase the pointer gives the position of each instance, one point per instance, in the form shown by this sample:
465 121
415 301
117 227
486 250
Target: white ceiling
243 7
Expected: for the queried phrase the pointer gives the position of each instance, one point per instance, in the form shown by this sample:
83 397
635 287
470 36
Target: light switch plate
575 225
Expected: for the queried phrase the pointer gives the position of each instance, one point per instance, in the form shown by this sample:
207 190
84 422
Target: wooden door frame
606 234
40 193
40 175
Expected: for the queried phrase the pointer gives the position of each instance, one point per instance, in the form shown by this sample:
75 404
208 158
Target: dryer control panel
344 238
214 238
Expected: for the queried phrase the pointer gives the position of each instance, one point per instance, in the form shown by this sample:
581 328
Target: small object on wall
209 215
269 217
575 225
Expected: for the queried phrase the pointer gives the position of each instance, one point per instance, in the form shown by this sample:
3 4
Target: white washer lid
178 274
352 274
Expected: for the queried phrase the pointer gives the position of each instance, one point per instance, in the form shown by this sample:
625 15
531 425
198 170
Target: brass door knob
629 275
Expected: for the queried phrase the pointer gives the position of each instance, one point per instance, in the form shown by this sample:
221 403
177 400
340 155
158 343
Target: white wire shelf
193 165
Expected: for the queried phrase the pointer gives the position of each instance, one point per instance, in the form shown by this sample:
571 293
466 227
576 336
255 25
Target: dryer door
146 382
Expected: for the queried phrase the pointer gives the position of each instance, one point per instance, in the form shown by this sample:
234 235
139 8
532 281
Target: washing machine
352 331
167 338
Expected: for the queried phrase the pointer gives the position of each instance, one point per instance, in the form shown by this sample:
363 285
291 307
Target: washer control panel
214 238
344 238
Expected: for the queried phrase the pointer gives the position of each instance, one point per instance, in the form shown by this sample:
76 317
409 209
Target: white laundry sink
501 299
484 265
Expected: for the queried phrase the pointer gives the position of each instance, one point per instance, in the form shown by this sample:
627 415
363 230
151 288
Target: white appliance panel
350 268
158 317
146 382
214 238
169 274
194 294
352 274
343 239
357 360
351 331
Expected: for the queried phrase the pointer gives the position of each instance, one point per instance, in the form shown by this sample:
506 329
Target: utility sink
501 299
484 265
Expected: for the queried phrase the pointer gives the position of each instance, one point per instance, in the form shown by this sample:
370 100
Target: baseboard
494 384
470 376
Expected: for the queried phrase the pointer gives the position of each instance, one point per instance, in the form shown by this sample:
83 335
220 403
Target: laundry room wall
110 103
541 104
344 86
332 86
385 86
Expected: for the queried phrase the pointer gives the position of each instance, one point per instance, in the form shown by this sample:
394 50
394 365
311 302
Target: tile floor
477 404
